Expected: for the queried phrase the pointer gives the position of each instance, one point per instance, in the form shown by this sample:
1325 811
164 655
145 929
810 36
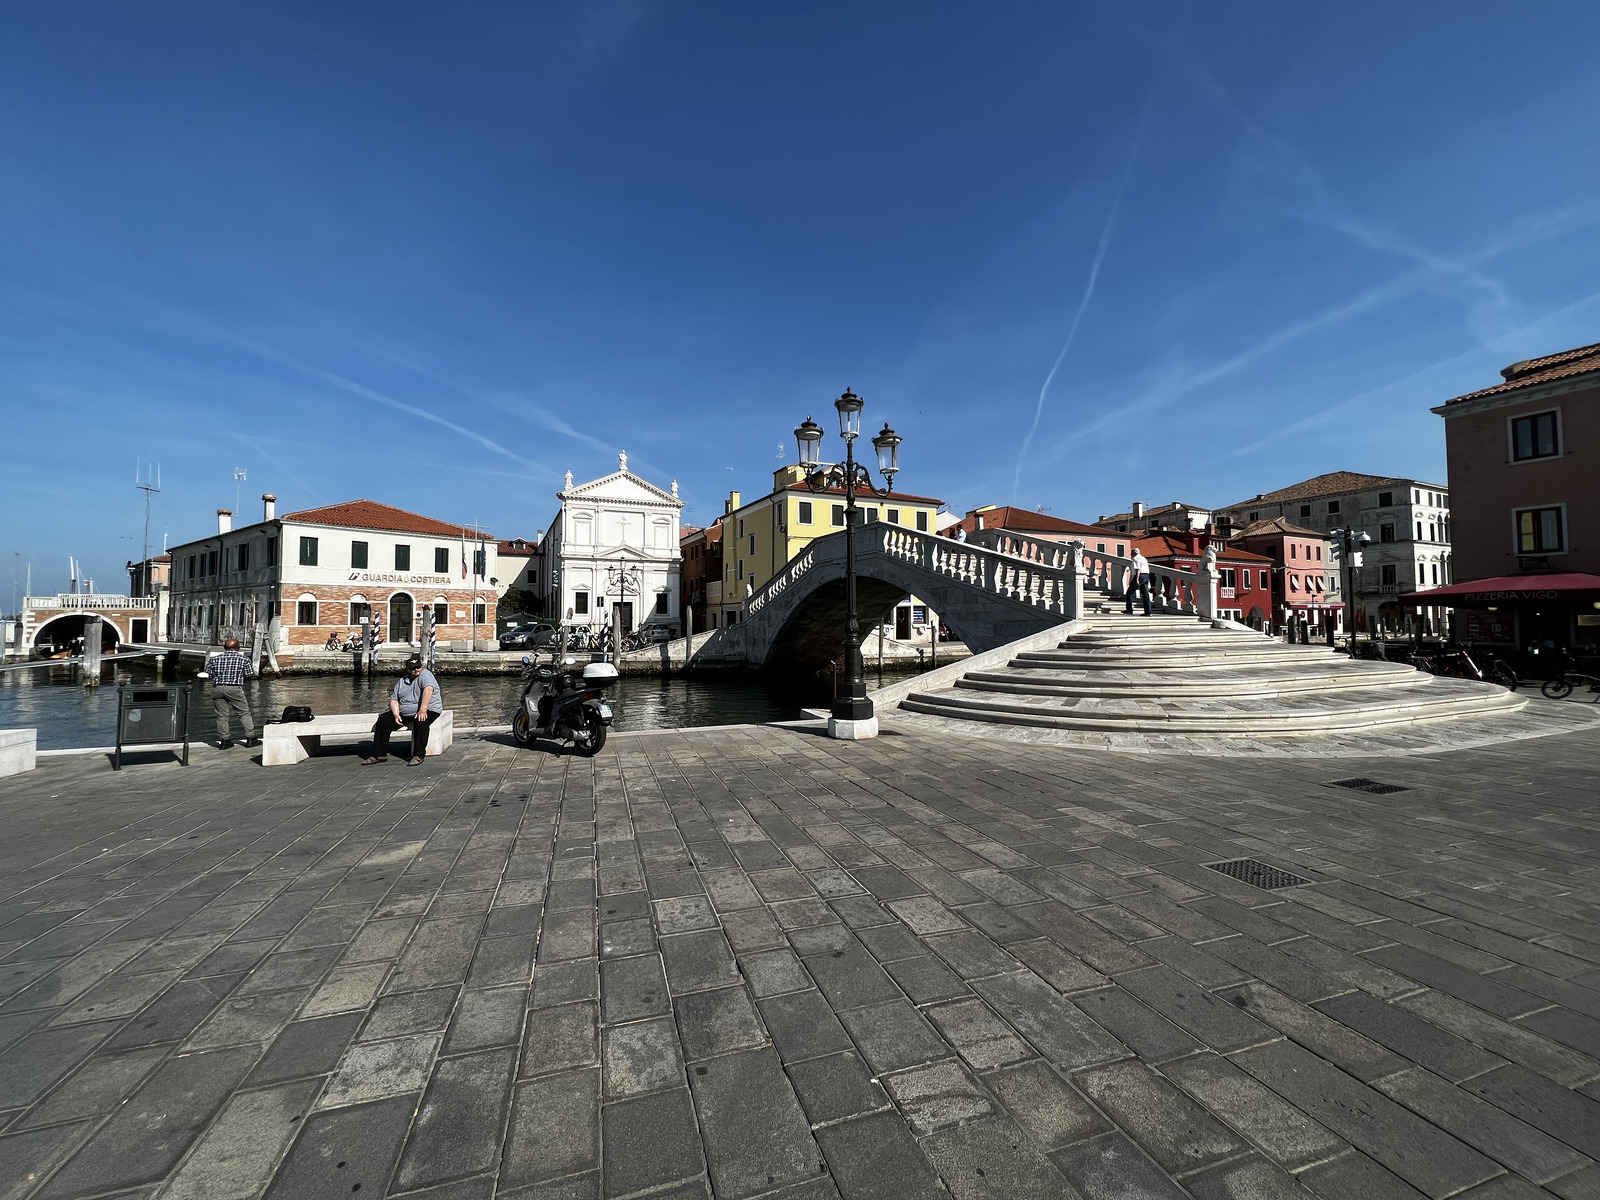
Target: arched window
305 609
360 609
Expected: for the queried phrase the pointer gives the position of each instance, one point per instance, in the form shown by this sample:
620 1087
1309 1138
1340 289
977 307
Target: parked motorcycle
559 703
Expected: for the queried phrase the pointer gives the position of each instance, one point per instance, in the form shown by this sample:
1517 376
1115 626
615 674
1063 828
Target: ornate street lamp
852 713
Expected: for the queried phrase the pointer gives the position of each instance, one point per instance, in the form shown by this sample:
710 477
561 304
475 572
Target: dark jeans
1139 584
387 725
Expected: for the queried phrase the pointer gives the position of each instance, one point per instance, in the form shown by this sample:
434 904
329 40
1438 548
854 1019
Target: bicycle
1563 684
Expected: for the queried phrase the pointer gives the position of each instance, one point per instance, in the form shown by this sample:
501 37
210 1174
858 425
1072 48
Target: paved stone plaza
754 962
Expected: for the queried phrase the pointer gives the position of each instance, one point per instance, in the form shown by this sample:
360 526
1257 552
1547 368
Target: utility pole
149 487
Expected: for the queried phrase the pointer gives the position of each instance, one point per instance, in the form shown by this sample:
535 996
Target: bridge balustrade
1171 590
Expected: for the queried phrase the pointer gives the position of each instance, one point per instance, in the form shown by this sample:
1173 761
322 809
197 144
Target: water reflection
67 714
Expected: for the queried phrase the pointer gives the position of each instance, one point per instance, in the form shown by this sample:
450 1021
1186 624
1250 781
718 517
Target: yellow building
762 536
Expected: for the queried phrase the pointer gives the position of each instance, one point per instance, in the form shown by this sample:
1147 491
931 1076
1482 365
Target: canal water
67 714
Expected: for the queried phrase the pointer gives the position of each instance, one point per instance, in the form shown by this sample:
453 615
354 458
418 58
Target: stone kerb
19 750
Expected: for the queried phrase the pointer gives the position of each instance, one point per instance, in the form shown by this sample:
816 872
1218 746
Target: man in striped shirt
228 672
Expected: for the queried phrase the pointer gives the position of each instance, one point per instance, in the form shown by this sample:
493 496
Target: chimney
224 520
979 519
269 506
733 502
1138 509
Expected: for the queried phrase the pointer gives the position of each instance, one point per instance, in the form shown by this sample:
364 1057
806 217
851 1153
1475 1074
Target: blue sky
1244 243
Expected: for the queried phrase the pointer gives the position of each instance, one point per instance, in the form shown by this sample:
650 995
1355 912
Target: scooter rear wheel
588 740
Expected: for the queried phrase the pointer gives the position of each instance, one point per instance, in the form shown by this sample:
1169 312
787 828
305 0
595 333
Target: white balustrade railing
89 601
1171 589
777 585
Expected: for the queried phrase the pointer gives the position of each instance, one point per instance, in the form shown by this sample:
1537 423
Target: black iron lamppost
853 715
1351 541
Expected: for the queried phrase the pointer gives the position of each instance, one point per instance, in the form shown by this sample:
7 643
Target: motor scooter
559 703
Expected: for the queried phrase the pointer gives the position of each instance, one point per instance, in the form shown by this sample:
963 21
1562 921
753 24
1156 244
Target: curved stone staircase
1176 675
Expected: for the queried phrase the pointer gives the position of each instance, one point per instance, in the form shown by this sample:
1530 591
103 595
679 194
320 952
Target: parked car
526 637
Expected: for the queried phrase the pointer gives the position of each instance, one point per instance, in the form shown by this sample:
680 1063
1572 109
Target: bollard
91 651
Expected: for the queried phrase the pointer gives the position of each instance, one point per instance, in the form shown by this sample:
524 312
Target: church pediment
624 486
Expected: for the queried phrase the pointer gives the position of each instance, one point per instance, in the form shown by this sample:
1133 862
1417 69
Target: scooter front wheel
590 737
519 727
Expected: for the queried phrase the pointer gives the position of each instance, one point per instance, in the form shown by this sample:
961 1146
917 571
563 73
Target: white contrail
1088 289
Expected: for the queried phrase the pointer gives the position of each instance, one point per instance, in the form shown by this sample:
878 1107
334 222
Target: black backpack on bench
295 713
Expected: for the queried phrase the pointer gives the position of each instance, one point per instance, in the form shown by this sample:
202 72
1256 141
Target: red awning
1506 589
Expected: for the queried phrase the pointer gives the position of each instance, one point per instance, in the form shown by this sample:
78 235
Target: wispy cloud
1177 382
1090 280
1408 382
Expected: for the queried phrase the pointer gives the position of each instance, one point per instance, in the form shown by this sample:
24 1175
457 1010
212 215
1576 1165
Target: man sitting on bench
416 703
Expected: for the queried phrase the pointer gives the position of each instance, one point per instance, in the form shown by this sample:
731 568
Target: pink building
1526 504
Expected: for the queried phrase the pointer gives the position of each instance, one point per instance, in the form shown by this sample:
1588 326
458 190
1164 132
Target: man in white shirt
1139 580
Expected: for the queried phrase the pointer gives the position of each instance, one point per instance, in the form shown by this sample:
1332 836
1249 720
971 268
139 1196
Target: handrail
1042 581
1171 589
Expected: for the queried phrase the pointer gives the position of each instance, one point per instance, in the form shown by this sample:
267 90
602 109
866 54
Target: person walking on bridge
228 672
1139 580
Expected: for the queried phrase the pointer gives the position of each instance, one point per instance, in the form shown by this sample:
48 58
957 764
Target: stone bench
18 750
284 743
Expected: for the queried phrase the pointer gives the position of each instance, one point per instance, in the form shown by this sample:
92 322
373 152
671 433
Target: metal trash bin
148 716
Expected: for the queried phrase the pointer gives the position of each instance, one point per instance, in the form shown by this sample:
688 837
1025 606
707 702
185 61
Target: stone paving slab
756 963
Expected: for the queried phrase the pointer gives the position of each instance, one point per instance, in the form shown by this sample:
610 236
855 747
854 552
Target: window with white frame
1541 530
1535 436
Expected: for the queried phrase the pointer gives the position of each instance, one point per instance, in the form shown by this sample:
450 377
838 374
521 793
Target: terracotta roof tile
1277 525
1171 506
1581 360
369 514
1330 484
512 547
1176 545
1023 520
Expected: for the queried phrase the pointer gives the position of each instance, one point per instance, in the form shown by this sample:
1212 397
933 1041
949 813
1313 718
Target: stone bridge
987 595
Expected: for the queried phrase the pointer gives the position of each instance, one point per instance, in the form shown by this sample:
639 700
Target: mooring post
91 651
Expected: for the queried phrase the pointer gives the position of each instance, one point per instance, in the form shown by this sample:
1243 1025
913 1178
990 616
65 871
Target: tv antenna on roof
150 486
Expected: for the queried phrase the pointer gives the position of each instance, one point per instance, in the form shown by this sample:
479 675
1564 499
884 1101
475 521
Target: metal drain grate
1371 786
1257 874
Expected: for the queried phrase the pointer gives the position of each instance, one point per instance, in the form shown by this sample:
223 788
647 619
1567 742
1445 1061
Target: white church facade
613 545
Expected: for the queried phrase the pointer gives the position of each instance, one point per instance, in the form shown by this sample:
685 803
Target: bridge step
1176 674
1360 708
1273 681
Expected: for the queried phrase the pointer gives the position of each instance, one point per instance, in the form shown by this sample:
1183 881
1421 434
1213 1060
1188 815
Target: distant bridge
987 594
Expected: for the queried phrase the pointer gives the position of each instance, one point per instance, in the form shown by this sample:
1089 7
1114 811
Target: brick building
311 573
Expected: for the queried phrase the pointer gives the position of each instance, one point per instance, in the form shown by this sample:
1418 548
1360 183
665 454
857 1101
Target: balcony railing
89 601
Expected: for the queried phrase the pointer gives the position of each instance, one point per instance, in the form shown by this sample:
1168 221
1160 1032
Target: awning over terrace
1507 589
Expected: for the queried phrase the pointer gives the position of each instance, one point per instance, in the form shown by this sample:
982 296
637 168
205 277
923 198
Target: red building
1302 567
1245 591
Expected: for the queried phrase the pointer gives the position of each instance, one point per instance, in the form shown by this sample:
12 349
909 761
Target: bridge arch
67 628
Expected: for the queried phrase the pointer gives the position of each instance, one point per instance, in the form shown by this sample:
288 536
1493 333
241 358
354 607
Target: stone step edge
1400 708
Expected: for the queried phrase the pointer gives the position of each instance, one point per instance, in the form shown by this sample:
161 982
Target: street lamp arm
840 478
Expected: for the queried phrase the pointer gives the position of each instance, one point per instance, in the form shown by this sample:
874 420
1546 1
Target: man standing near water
416 703
228 672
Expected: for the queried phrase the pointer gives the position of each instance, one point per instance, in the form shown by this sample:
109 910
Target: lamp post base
854 731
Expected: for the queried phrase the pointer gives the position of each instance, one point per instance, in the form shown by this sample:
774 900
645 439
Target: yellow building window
804 517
